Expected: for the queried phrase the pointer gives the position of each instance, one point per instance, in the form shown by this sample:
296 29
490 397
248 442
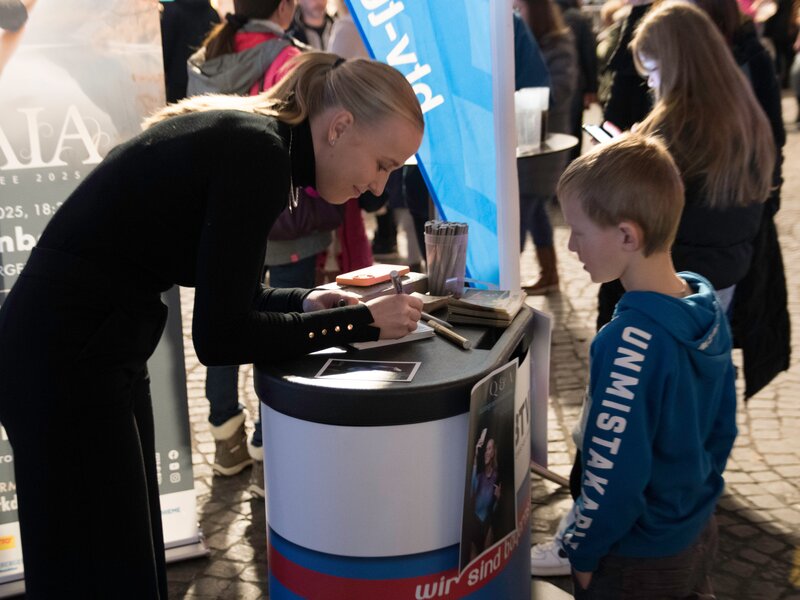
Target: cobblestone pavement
759 514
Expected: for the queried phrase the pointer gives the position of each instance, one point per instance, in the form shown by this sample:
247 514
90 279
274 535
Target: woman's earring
332 141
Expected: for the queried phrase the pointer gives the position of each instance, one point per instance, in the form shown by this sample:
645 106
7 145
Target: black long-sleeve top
190 201
629 99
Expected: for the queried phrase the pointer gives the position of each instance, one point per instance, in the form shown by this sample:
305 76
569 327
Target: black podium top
440 389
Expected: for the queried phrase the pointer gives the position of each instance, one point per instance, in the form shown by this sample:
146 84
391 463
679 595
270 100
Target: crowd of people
695 88
698 78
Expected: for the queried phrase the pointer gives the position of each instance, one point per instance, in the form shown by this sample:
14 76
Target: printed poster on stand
496 470
76 79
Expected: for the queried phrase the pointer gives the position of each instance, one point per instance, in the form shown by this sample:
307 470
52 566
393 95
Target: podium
365 479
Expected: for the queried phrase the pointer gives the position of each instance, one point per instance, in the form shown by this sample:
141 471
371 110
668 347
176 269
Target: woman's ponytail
370 90
316 81
303 91
220 40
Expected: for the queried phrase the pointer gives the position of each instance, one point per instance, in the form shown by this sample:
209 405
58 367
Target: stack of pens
446 257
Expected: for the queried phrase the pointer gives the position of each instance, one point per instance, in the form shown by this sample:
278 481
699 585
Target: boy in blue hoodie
659 421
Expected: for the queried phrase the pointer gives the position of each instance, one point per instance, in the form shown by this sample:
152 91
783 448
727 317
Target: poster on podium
76 79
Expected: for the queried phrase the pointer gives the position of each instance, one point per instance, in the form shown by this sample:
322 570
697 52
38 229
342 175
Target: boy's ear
632 236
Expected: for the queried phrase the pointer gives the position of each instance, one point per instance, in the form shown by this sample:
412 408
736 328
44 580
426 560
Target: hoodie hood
237 72
696 321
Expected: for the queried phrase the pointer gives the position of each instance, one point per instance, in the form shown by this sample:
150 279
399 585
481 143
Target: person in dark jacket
538 177
794 76
189 201
759 313
629 100
756 63
779 29
530 68
586 48
724 185
184 25
760 316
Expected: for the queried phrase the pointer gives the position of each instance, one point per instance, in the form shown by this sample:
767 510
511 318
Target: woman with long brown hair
720 138
189 201
718 134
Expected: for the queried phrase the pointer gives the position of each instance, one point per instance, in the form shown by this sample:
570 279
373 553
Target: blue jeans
533 217
222 389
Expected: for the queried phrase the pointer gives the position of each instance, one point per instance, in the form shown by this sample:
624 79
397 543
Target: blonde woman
720 138
188 201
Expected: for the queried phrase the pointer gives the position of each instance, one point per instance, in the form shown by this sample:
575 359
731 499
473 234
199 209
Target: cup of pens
446 257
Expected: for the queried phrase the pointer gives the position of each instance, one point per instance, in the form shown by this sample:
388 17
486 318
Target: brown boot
231 455
548 275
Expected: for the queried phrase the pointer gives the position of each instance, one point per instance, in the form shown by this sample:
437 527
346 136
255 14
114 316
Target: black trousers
75 402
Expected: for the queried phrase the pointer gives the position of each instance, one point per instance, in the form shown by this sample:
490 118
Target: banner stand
185 550
188 549
14 587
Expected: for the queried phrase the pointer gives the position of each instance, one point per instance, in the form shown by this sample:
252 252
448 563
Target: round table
365 480
554 142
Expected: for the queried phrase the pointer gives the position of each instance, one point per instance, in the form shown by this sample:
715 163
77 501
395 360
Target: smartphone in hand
598 133
602 133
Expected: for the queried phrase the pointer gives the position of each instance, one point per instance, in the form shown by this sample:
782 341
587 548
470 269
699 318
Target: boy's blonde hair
632 178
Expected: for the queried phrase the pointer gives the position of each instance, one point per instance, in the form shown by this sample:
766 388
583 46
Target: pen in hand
439 326
398 288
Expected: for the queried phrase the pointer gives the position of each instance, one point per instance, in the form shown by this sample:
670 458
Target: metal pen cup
446 257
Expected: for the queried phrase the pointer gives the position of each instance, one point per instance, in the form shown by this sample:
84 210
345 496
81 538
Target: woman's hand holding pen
396 315
322 299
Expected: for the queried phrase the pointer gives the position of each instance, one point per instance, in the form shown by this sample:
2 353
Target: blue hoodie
660 424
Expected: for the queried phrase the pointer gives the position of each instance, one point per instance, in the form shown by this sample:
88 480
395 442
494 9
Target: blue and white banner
447 51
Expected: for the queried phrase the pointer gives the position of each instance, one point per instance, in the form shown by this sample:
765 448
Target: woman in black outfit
190 201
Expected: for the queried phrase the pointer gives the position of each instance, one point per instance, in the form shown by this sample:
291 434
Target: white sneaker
548 559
